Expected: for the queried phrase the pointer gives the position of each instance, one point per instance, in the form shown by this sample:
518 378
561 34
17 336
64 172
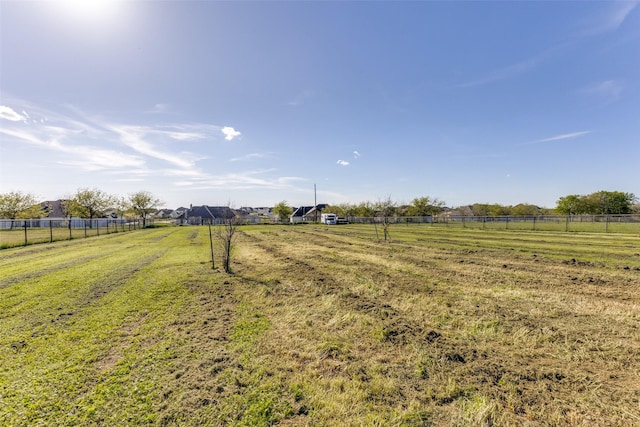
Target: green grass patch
322 326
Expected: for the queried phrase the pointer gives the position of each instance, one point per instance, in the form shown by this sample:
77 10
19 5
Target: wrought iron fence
19 232
566 223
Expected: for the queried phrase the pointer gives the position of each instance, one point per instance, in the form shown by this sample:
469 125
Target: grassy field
323 326
17 237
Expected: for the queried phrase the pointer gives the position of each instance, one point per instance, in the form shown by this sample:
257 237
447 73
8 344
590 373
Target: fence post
606 224
566 223
97 227
534 223
50 232
25 233
84 221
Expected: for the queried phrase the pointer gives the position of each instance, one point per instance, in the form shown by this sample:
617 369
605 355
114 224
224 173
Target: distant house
163 213
307 213
53 209
177 213
200 215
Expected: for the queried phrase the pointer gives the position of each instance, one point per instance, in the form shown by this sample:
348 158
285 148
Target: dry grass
327 326
418 333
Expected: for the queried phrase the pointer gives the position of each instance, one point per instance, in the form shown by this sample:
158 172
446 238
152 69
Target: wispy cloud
250 156
342 163
610 90
561 137
301 98
246 180
356 155
134 152
611 19
159 109
136 138
514 69
8 113
84 157
230 133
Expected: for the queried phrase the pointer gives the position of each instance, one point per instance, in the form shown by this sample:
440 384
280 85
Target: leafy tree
90 203
611 202
334 209
143 203
349 209
525 209
364 209
121 206
598 203
570 205
282 210
17 204
425 206
480 209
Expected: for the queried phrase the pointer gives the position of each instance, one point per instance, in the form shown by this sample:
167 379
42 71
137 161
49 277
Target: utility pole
315 201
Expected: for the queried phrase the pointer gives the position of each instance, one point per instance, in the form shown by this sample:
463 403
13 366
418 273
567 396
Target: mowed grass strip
91 343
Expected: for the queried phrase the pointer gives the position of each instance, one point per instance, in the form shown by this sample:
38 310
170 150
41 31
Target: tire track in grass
7 281
56 293
52 377
37 251
377 332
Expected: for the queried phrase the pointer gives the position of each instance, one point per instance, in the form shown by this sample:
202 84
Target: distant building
307 213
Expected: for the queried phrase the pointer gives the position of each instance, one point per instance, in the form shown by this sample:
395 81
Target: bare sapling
226 232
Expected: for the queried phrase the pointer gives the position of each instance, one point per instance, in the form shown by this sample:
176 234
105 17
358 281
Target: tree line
598 203
85 203
94 203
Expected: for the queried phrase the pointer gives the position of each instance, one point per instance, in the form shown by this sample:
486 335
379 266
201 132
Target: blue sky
251 103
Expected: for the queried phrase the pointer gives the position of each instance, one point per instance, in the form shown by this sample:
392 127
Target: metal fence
566 223
29 231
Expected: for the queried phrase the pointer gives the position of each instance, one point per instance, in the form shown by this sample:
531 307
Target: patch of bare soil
198 379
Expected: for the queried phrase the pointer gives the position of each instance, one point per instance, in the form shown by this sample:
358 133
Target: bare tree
226 232
385 209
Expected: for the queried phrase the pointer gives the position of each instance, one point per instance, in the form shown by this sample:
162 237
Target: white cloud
611 19
245 180
83 156
610 90
356 155
136 138
230 133
342 163
135 152
250 156
8 113
561 137
515 69
159 109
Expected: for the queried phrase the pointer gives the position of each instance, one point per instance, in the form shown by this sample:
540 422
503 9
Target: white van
329 219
